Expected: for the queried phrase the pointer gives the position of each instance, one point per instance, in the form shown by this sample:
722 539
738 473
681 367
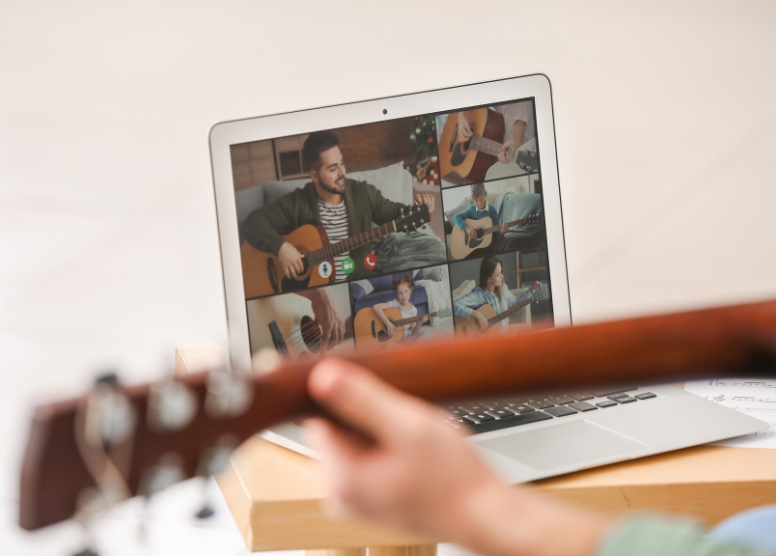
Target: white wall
108 238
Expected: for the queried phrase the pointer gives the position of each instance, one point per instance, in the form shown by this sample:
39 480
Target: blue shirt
473 213
479 297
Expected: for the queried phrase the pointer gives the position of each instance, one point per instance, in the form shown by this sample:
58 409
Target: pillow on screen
247 201
464 289
394 182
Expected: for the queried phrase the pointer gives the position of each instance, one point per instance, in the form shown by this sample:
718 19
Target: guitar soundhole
382 336
297 283
311 334
480 233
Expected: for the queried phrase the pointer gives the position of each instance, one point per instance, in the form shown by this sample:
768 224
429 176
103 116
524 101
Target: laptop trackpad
562 445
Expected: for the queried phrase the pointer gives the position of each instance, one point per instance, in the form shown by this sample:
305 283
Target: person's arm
389 326
460 218
398 463
264 226
405 467
513 300
327 315
415 326
464 308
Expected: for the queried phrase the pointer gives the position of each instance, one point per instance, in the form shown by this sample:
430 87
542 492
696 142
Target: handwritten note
755 397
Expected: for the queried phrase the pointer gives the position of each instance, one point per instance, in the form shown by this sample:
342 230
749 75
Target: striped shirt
334 219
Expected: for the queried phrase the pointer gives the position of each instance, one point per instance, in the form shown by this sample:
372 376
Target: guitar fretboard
410 320
493 148
505 314
348 244
502 228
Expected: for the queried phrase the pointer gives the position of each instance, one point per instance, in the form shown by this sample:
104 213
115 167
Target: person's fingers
334 443
325 335
359 399
340 332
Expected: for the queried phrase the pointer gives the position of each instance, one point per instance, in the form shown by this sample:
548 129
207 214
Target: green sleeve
662 536
264 227
383 210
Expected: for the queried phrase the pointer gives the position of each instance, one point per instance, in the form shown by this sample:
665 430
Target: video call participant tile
494 294
401 308
494 217
303 324
487 143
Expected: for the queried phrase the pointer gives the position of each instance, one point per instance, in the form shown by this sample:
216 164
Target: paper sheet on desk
753 396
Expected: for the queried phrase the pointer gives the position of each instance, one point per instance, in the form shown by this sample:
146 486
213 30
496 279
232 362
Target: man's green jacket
264 227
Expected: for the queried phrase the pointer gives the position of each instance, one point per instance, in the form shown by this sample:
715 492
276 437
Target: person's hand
328 317
471 232
399 463
424 320
502 156
391 329
290 260
464 129
425 199
481 320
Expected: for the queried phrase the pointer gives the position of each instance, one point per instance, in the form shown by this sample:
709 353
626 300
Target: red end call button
370 261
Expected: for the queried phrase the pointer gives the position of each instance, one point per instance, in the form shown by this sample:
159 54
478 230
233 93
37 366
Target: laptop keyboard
514 411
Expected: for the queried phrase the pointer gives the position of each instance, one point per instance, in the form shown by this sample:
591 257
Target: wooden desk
274 494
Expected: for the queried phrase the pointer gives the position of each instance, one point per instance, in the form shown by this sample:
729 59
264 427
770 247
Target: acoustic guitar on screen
461 245
471 325
371 332
468 162
263 274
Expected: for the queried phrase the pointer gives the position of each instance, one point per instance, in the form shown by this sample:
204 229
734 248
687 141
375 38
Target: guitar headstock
528 161
533 219
445 313
536 290
118 442
416 218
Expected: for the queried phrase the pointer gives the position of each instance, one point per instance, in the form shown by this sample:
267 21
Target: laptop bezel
225 134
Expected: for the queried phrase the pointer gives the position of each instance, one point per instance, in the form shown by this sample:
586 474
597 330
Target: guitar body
471 326
288 323
370 330
457 162
263 275
460 244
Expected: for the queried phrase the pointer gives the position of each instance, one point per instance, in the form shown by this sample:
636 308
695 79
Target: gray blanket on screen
403 252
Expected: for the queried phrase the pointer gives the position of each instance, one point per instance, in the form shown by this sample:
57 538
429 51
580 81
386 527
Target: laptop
377 224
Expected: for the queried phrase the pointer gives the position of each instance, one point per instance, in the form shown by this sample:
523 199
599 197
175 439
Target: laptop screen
383 234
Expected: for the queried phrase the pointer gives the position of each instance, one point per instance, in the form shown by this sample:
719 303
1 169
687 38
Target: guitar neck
724 342
498 318
502 228
493 148
348 244
410 320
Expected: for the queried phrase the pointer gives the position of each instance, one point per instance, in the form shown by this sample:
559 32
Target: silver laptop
377 224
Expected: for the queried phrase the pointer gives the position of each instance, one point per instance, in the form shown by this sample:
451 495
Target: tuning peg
171 406
109 416
401 211
405 227
421 221
228 394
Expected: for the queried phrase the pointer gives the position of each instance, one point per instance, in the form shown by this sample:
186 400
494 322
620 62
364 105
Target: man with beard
344 207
